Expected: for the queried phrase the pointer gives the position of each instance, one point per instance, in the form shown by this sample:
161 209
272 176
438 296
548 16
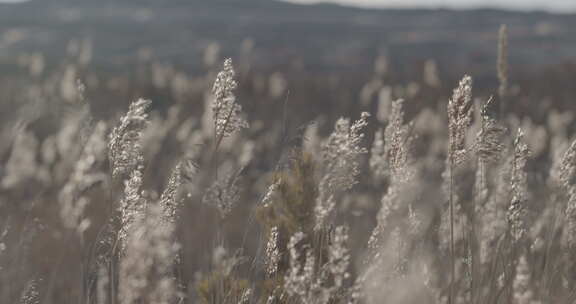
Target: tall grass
443 206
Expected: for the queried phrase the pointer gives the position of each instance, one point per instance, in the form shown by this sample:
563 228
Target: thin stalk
549 245
452 255
548 254
473 237
472 244
114 261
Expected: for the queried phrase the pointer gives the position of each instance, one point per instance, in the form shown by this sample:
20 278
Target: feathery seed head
390 154
226 112
567 172
246 295
83 177
169 199
459 119
30 294
146 267
271 192
124 148
299 276
488 141
340 155
133 204
519 188
567 178
339 257
273 254
223 194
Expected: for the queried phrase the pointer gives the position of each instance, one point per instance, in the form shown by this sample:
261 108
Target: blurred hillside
314 50
319 36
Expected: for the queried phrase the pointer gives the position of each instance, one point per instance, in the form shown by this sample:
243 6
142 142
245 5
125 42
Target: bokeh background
326 54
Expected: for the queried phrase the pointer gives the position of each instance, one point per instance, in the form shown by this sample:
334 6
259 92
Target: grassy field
136 175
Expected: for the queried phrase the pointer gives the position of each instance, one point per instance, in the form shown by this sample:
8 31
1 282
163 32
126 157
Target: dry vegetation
468 203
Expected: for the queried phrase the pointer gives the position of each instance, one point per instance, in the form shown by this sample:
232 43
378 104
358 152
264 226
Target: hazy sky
551 5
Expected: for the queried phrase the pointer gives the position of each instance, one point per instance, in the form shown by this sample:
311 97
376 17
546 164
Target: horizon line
456 7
